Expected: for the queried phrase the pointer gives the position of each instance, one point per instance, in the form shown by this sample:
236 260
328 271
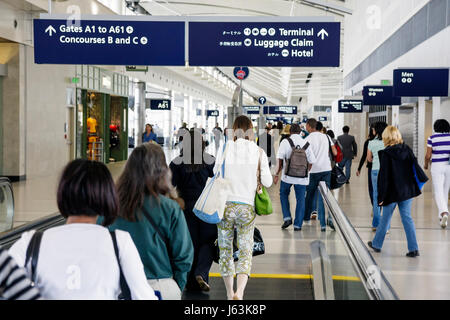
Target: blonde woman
241 163
397 186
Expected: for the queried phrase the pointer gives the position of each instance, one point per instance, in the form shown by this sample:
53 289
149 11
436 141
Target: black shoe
331 224
374 249
348 182
413 254
286 224
297 229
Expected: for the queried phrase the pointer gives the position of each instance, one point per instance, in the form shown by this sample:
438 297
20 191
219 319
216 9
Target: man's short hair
346 129
295 129
312 123
319 126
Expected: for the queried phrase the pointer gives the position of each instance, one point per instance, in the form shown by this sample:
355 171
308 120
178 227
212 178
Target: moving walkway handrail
374 281
6 183
8 238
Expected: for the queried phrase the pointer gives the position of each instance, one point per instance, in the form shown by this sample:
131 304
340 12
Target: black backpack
297 164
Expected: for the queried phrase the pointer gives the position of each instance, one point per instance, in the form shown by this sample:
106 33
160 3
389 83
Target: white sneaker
444 221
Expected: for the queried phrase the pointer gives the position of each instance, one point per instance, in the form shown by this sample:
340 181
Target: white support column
437 109
421 131
186 108
203 123
191 113
172 99
395 116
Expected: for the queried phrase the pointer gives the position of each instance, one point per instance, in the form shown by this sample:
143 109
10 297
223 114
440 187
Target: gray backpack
297 164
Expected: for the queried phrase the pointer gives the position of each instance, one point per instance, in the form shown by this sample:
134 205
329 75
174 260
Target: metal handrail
5 182
374 281
8 238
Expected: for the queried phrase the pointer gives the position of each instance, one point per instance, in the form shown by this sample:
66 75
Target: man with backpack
294 160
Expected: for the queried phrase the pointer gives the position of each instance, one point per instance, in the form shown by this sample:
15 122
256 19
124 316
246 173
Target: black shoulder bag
124 288
33 254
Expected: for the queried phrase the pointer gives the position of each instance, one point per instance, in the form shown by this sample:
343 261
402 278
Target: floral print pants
241 216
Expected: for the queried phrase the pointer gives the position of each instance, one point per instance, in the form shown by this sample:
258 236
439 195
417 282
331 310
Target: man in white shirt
285 152
320 145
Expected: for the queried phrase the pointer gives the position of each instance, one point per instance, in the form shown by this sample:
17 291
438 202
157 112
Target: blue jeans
311 189
370 185
376 208
285 190
347 163
407 221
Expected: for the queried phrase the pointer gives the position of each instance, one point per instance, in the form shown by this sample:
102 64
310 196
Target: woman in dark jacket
369 164
397 185
190 171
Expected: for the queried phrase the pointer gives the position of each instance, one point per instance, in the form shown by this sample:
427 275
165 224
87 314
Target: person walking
350 150
242 156
320 171
438 153
374 147
189 175
371 136
155 221
82 260
397 186
284 153
265 141
217 132
149 135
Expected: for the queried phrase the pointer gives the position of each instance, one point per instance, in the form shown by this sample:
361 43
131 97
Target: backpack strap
33 254
306 146
125 290
291 143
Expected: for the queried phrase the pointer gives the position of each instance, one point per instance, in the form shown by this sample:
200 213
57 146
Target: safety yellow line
291 276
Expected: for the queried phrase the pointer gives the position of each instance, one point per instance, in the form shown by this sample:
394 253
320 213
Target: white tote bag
211 204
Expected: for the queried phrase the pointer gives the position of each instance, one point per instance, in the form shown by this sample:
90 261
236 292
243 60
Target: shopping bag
263 204
210 206
258 246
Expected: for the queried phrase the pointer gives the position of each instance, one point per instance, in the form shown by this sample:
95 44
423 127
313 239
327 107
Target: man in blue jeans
284 153
320 144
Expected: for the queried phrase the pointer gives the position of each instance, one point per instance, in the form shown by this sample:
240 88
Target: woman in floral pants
241 163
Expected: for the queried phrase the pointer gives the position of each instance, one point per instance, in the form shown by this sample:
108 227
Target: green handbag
263 204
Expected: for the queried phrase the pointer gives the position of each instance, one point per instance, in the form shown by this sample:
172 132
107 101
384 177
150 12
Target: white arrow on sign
50 30
322 34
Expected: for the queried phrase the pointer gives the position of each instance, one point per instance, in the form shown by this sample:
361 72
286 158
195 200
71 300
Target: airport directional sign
350 106
241 73
380 96
212 113
421 82
285 110
109 42
158 104
251 109
262 100
264 44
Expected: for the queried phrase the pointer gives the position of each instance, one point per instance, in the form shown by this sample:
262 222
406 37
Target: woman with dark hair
78 260
373 148
149 135
242 157
438 153
149 212
372 135
190 171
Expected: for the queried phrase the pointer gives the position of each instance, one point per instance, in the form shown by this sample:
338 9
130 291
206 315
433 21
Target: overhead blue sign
380 96
350 106
265 44
288 110
421 82
158 104
212 113
251 109
241 73
113 42
323 119
262 100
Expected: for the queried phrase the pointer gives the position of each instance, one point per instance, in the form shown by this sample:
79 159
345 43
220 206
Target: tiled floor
288 252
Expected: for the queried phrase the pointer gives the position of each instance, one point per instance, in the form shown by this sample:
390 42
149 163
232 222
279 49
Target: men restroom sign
160 104
421 82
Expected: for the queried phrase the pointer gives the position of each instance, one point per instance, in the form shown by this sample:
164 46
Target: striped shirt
440 143
14 282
